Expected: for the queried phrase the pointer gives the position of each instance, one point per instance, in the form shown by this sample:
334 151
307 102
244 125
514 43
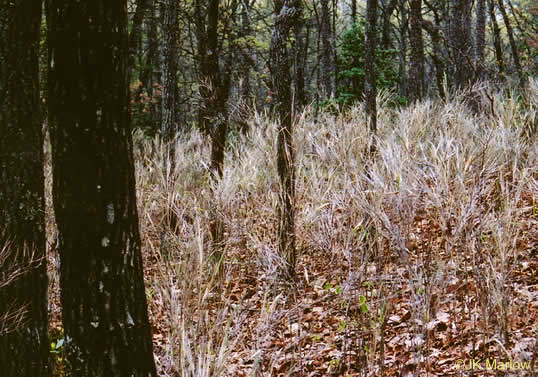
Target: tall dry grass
445 203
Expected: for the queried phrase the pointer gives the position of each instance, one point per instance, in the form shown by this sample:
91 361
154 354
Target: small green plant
352 67
362 302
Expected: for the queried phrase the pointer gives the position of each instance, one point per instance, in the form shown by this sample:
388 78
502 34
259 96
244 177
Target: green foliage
353 70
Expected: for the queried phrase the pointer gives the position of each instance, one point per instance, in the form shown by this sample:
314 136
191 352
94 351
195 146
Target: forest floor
418 261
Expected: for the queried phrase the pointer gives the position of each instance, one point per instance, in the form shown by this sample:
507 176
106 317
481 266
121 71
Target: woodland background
250 188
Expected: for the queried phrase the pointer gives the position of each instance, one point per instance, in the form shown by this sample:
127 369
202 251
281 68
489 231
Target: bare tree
480 36
213 114
326 68
170 30
104 308
24 346
369 62
513 46
496 38
287 13
460 42
416 71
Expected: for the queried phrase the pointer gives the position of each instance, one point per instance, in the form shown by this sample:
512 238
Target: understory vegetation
409 260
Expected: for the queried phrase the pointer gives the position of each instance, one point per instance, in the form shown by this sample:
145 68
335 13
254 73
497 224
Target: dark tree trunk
301 49
152 73
24 343
104 307
286 15
387 14
170 30
496 38
513 46
325 30
433 31
460 40
334 68
416 71
246 60
213 115
136 30
480 37
354 11
402 53
369 62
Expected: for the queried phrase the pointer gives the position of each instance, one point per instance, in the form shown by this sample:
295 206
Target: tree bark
460 40
104 306
496 38
325 30
301 49
387 14
213 114
416 71
24 343
402 53
287 13
513 46
480 37
136 31
170 29
369 62
433 31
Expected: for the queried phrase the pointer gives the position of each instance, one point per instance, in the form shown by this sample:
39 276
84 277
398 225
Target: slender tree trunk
433 31
220 91
325 30
286 14
300 62
416 71
24 343
170 29
387 14
136 30
496 38
104 307
245 54
354 11
460 39
213 115
151 73
480 36
334 48
513 46
402 53
369 62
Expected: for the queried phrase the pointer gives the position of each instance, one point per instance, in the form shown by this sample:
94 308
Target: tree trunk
170 29
244 89
354 11
213 115
387 14
24 343
460 39
151 75
416 71
286 14
104 307
513 46
301 49
136 31
402 53
433 31
480 37
325 30
496 38
369 62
